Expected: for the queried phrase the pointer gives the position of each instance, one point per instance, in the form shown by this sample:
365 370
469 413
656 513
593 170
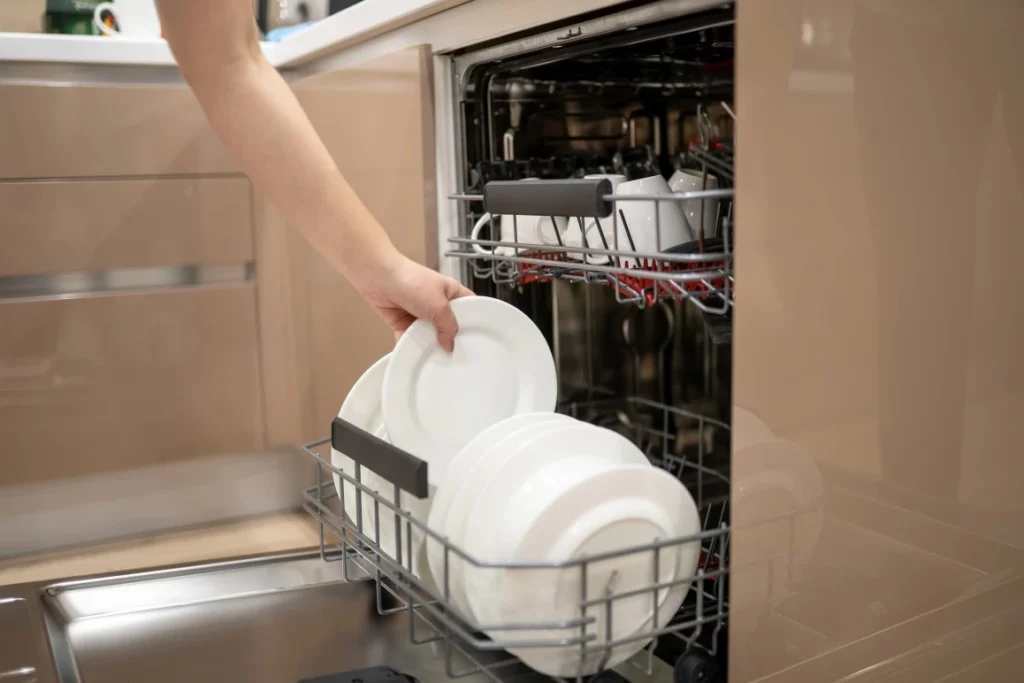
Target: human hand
402 291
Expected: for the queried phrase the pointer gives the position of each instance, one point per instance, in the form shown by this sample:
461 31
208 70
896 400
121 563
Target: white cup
540 230
644 228
701 213
135 18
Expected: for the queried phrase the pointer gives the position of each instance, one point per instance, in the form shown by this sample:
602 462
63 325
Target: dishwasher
639 325
902 585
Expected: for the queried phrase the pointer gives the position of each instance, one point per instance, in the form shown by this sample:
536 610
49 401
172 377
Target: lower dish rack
692 447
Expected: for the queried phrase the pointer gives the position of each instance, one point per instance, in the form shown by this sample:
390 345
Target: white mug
527 230
135 18
700 213
643 228
540 230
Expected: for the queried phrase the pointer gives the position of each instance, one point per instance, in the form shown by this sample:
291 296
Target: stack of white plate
514 482
548 488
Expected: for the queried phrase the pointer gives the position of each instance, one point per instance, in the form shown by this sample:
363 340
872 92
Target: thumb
447 327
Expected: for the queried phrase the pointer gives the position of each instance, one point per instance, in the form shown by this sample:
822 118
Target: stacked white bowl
525 485
545 488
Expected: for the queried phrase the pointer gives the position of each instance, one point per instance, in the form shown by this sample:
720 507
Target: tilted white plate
434 402
362 408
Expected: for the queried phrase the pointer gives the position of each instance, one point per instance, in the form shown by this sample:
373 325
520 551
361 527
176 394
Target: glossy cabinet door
376 119
129 412
96 225
130 391
55 129
878 477
103 383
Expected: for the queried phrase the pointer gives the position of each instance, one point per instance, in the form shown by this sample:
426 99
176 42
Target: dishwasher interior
647 357
645 101
639 320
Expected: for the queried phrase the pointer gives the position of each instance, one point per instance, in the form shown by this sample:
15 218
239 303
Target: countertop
367 18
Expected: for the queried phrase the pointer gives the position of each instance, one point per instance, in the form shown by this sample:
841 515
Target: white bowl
586 505
505 472
457 493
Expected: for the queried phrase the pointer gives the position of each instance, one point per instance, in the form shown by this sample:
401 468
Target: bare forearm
290 164
259 119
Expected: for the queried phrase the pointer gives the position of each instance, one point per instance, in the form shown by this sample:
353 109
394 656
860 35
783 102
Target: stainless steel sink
276 619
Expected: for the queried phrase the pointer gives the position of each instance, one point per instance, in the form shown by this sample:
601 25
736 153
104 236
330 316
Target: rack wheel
697 666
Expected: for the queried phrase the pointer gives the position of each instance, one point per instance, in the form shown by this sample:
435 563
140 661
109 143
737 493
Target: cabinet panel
878 338
55 131
105 383
376 119
54 227
383 143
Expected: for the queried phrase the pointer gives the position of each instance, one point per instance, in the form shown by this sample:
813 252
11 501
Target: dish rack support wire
700 271
682 447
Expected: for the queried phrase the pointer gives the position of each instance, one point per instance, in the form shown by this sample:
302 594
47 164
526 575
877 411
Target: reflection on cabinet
376 120
105 130
54 227
898 372
106 383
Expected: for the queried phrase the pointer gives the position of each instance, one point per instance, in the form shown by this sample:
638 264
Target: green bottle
73 17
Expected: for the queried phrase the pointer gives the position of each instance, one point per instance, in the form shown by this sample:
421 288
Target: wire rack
679 441
642 263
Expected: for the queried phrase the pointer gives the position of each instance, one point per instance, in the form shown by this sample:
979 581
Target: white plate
457 492
585 506
362 408
503 474
434 402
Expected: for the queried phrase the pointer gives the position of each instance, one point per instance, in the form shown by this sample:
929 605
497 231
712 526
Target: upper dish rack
638 262
674 439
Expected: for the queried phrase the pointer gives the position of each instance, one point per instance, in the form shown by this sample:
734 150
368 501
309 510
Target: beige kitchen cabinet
376 119
131 396
88 226
100 130
133 412
120 381
878 328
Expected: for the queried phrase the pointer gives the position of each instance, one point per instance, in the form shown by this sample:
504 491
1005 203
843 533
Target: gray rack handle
406 471
584 198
